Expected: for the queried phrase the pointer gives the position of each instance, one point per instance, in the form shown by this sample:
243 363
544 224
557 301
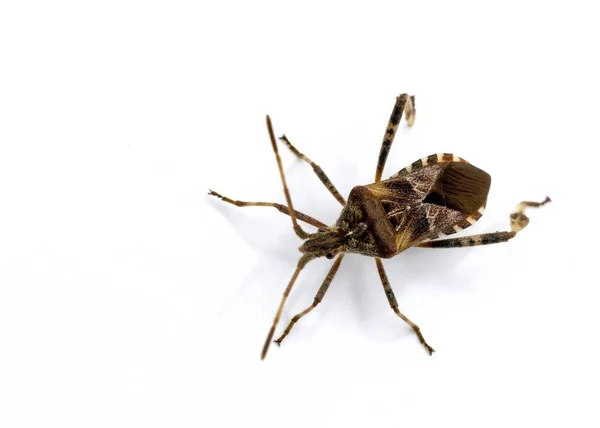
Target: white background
129 297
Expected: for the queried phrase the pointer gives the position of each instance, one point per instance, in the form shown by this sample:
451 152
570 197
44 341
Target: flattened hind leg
518 221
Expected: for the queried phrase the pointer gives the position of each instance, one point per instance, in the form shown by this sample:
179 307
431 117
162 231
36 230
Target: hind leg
518 221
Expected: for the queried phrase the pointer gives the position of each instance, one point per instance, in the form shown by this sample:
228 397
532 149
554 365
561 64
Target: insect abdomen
428 161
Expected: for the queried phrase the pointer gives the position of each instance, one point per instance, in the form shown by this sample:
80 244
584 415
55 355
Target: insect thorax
378 238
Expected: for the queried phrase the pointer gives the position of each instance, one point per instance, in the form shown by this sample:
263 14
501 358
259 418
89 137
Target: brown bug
437 195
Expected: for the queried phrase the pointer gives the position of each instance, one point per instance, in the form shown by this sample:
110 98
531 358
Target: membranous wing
438 195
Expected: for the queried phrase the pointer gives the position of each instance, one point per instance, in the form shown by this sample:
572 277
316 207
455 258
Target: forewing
433 199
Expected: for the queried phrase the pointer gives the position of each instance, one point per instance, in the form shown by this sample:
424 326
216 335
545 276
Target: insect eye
329 255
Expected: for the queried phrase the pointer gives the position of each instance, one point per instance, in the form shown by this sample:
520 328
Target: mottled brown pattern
437 194
426 202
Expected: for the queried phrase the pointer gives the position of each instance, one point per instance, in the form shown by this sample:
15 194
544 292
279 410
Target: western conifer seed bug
435 196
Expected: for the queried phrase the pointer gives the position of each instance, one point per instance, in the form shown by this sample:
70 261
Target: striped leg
318 298
394 304
518 221
281 208
317 169
404 104
470 241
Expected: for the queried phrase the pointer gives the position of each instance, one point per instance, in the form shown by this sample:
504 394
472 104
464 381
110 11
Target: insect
437 195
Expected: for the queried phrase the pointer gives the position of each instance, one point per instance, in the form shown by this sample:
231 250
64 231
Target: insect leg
279 207
318 297
518 221
299 231
394 304
405 104
470 241
317 169
301 263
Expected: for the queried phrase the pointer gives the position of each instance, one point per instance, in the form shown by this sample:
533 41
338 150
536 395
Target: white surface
128 297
